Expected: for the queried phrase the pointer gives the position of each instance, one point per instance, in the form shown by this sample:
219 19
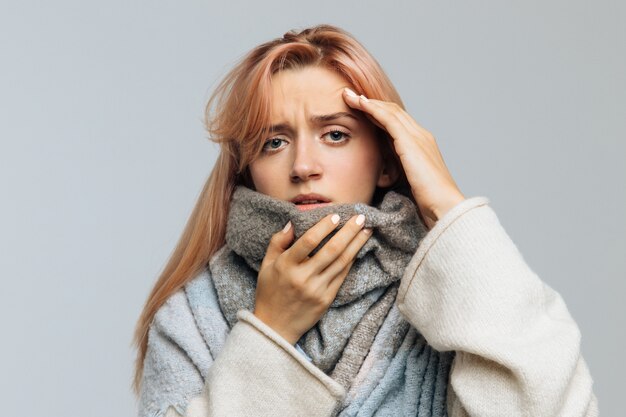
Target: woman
387 292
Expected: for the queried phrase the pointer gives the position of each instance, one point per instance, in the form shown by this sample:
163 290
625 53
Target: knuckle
275 238
417 138
279 264
309 240
298 280
324 298
299 285
333 246
345 258
327 299
320 298
308 293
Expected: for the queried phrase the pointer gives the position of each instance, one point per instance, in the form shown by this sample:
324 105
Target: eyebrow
316 119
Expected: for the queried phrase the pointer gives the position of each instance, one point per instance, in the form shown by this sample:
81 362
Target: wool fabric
368 291
468 290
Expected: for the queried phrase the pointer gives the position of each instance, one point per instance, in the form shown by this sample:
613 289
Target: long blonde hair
236 117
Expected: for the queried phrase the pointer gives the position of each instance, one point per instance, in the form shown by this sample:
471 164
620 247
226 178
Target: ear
388 174
246 179
391 165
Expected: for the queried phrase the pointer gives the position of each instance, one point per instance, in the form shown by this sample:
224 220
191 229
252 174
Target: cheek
258 174
266 175
365 160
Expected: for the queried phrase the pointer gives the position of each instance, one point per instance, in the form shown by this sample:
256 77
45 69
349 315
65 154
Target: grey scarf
340 340
363 341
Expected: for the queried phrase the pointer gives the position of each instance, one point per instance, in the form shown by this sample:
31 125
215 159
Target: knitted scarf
362 341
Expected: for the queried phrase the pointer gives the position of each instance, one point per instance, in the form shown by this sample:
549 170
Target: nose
306 163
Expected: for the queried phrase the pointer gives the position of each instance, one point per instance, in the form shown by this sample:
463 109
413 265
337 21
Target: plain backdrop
104 153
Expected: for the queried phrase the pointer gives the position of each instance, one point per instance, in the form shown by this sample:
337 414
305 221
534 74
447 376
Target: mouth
310 201
310 206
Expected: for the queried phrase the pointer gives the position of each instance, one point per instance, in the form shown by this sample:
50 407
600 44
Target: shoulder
183 307
174 323
200 291
183 338
190 318
204 306
176 358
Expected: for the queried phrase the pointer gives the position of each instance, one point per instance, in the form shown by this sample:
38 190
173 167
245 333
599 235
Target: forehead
307 91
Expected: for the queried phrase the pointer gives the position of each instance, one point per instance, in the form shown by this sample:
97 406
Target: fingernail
364 98
367 231
360 219
335 218
350 92
287 227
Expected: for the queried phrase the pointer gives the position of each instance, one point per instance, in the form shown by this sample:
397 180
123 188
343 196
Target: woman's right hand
294 290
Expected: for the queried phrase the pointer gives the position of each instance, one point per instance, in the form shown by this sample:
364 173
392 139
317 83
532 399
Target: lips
308 199
303 207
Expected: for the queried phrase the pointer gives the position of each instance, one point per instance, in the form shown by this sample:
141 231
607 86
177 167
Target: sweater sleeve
257 373
468 289
303 353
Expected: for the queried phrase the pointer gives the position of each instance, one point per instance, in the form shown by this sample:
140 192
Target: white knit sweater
468 289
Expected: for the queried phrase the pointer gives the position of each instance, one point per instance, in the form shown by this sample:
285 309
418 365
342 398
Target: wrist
441 211
282 332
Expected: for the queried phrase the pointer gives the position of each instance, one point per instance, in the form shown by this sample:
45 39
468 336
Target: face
337 157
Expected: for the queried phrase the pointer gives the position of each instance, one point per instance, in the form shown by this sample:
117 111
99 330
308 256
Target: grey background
103 155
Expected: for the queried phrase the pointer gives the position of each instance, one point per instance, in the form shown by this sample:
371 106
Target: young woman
332 266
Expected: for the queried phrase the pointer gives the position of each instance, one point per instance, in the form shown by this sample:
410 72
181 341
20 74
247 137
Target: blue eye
338 137
341 134
273 141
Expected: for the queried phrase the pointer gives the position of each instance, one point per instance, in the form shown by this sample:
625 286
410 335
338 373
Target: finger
279 242
402 115
347 257
410 123
402 124
335 247
352 100
382 113
425 138
300 250
335 283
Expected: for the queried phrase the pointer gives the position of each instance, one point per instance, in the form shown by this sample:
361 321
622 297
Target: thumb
279 243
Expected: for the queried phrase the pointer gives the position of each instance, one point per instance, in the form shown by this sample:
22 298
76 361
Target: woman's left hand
431 184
